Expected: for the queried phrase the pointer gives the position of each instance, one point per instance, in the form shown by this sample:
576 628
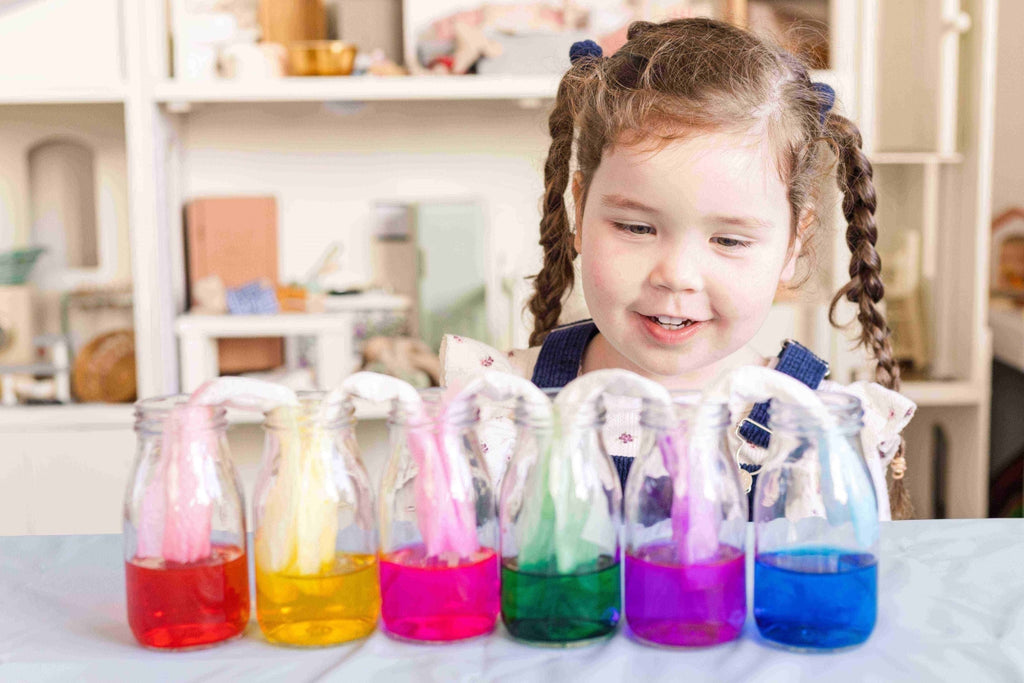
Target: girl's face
682 250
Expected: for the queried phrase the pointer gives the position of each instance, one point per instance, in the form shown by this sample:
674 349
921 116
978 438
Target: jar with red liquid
439 574
186 573
685 524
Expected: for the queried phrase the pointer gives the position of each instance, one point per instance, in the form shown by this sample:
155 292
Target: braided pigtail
556 273
865 288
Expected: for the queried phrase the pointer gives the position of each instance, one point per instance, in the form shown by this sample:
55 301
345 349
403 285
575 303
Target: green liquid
563 608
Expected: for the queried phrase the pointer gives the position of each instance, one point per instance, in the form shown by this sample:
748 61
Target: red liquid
173 605
423 598
685 605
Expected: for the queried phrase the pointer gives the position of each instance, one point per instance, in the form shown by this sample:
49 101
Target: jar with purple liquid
685 530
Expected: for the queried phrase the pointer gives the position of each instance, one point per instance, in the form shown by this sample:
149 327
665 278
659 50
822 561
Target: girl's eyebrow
618 201
741 221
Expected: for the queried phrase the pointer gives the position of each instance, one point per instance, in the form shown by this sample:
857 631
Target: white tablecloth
951 608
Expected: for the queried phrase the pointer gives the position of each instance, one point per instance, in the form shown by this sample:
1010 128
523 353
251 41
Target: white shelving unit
184 139
63 95
927 116
359 89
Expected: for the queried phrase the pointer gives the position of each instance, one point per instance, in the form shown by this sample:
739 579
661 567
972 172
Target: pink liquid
425 599
690 605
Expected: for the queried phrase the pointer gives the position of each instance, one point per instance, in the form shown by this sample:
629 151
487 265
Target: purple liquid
424 598
691 605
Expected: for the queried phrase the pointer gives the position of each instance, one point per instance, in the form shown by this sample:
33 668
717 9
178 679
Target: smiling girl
699 148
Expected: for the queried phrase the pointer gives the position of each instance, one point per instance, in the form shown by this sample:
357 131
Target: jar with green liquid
560 510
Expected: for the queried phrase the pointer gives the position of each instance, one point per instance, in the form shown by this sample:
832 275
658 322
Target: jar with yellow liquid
315 537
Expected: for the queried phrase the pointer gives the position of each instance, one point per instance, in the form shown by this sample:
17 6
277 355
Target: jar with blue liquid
816 530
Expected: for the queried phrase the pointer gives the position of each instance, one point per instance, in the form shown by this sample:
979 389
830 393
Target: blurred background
297 189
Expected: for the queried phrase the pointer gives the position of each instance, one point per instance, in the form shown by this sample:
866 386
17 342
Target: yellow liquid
335 606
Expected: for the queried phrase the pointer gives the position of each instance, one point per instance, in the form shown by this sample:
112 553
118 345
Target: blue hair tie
826 98
584 48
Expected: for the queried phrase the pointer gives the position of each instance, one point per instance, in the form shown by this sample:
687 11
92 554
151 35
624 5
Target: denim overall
561 356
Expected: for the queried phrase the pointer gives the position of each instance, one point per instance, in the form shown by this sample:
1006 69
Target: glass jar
438 529
560 511
685 528
186 574
816 530
315 536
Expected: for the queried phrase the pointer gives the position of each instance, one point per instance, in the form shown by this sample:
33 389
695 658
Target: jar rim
846 408
310 405
687 404
435 404
593 415
151 412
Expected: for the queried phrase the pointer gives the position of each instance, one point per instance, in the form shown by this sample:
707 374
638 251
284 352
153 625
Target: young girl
699 149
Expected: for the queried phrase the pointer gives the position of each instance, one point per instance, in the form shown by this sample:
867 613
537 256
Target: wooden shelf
181 94
358 89
10 94
935 393
278 324
67 417
364 411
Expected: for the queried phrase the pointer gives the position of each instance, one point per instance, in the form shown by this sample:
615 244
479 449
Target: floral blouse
886 413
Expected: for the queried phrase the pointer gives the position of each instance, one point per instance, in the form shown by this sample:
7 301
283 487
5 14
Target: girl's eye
635 228
730 242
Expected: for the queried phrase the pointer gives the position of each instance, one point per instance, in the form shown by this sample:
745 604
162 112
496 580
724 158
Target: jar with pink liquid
685 530
439 568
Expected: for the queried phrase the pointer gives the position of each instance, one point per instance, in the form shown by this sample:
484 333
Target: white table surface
951 608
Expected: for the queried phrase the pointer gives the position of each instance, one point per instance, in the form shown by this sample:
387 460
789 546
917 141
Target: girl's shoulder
463 358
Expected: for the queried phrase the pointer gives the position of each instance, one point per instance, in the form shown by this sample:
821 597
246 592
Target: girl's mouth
670 323
668 330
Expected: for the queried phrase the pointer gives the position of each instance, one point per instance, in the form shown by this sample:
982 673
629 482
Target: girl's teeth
671 323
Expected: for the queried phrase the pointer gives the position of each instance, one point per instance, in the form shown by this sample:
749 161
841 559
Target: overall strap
559 362
562 353
798 362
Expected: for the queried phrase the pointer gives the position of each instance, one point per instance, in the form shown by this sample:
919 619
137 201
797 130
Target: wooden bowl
321 58
104 370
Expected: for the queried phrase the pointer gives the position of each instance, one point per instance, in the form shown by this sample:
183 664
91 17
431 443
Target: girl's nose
678 270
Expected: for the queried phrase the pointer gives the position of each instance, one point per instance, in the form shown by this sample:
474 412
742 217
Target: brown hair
701 74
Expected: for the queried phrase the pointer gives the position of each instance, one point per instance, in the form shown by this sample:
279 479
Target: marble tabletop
951 607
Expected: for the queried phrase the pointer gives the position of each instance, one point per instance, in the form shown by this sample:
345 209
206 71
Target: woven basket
104 370
16 265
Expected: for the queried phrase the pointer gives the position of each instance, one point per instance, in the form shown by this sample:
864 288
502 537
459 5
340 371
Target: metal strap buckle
744 442
753 422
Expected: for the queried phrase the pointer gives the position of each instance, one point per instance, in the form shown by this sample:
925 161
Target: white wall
1008 185
72 43
98 127
422 151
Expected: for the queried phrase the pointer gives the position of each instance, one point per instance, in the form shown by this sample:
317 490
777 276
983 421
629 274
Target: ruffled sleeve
463 359
886 413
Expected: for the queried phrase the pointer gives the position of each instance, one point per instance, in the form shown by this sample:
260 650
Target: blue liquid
816 598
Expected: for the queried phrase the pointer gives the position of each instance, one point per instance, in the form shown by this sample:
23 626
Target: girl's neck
600 355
